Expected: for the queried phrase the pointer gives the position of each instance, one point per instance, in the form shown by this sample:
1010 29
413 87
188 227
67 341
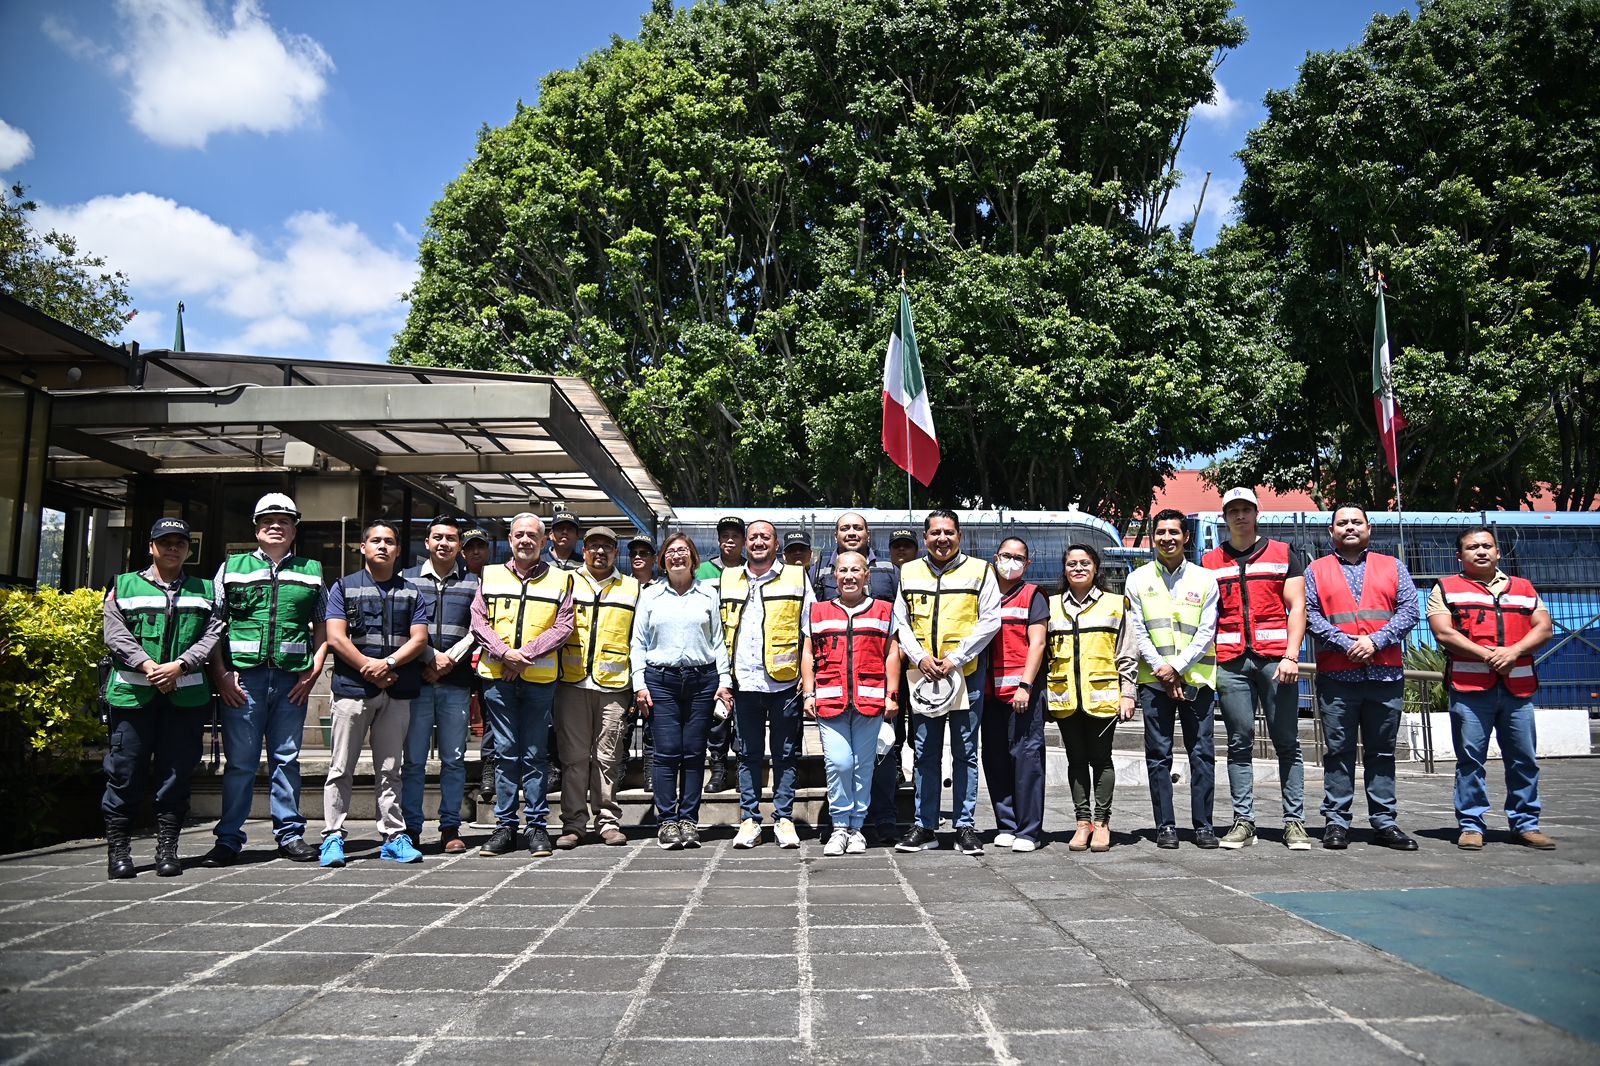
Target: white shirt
749 654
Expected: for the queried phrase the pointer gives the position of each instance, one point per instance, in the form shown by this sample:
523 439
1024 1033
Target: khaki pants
387 720
589 732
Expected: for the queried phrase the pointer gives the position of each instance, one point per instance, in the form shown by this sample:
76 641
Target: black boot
719 774
167 829
119 850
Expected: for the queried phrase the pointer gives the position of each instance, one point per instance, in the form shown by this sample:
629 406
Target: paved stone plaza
621 955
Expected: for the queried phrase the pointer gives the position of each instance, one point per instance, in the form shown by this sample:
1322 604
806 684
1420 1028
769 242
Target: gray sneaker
1295 837
1242 835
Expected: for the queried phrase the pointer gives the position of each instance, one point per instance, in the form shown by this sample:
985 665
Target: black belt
696 668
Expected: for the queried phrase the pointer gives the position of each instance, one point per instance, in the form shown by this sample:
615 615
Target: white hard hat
275 503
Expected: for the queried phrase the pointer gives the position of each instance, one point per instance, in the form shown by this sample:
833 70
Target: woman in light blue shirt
680 669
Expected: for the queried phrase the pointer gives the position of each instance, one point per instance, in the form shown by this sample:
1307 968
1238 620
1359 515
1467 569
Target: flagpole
909 516
1399 503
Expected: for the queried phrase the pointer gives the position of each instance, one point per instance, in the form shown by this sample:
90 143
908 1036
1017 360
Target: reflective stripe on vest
1008 652
782 599
269 611
1251 614
602 629
850 653
1380 595
518 611
164 634
1172 618
1490 621
1083 657
943 608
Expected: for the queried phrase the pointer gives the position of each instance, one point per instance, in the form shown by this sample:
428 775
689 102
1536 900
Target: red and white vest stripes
1492 622
1008 652
1250 612
1380 595
849 653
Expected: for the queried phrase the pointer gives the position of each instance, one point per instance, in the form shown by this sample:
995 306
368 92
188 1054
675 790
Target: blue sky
271 164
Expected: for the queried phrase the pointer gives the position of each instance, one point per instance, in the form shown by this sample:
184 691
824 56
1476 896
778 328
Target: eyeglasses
1008 557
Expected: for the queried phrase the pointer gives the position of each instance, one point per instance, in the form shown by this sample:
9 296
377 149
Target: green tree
48 272
1456 151
708 223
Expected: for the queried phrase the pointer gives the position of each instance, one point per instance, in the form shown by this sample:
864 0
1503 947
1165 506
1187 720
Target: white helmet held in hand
276 503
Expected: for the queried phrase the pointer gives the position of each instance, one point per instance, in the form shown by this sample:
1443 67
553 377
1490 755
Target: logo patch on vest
1193 597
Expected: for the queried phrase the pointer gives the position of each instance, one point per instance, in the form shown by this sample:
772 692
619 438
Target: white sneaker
1004 840
836 842
749 834
1022 844
784 831
857 844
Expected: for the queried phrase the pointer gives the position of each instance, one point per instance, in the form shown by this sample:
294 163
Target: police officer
160 626
797 549
561 550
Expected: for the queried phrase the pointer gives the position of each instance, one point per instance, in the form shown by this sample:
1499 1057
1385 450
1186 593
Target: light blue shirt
679 629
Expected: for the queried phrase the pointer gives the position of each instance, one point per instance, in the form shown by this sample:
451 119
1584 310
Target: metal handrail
1308 672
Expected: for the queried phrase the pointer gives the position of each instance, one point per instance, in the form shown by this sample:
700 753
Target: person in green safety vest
160 627
274 602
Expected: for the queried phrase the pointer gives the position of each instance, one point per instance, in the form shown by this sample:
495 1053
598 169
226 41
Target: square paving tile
843 1015
609 974
716 973
896 970
725 1015
1320 1044
137 968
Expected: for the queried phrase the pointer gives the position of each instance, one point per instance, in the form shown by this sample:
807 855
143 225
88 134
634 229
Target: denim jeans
758 717
927 743
445 708
1368 711
158 737
850 749
1241 683
679 721
1013 765
269 717
1473 715
519 713
1196 718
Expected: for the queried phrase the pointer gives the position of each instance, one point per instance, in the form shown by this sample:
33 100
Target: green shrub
50 644
1425 694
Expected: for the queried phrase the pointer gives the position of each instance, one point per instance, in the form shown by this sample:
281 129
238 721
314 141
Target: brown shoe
451 839
1535 839
568 841
1470 841
613 837
1101 840
1080 839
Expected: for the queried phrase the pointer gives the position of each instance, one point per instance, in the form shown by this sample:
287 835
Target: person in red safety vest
1490 624
1011 735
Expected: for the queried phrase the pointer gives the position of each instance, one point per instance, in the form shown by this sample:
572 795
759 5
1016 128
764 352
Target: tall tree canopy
49 273
1459 153
708 224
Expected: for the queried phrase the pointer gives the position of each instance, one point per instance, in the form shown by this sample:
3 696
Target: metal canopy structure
518 442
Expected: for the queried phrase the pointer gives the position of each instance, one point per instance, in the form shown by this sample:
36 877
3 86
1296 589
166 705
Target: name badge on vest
1193 597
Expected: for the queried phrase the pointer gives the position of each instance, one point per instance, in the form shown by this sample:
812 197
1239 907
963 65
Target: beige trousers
590 726
387 720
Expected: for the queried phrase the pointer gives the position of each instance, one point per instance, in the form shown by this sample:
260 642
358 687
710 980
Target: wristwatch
389 660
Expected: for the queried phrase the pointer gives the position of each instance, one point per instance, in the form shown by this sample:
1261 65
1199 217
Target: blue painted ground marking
1535 948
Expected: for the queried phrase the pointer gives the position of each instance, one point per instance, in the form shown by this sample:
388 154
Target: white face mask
1010 569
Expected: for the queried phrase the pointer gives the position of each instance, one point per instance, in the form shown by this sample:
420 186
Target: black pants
719 737
1087 739
159 733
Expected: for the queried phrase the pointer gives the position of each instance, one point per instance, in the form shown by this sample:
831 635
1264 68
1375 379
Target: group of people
723 661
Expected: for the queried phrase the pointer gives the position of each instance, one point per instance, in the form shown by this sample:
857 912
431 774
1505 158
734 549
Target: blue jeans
442 707
269 717
519 713
679 721
1372 710
1013 764
756 716
927 744
1473 715
1241 684
1194 715
850 749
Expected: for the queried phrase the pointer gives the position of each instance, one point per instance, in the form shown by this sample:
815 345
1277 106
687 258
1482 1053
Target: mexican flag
1390 421
908 434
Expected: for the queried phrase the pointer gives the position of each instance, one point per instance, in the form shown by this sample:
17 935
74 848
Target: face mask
1010 569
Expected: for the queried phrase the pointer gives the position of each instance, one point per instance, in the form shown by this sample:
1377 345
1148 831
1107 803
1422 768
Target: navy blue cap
166 527
797 536
563 518
902 534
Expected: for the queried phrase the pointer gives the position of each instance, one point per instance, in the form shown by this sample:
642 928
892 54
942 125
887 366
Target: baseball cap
561 518
731 521
797 536
1247 495
601 531
470 535
902 534
166 527
275 503
642 541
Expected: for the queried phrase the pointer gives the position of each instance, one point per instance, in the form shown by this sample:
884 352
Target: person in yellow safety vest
592 700
1172 604
948 611
521 616
763 602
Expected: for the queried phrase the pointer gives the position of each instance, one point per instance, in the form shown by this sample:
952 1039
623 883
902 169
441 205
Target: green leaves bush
50 643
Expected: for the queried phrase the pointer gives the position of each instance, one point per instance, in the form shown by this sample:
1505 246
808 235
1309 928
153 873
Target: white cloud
16 147
191 73
319 278
1214 211
1220 109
